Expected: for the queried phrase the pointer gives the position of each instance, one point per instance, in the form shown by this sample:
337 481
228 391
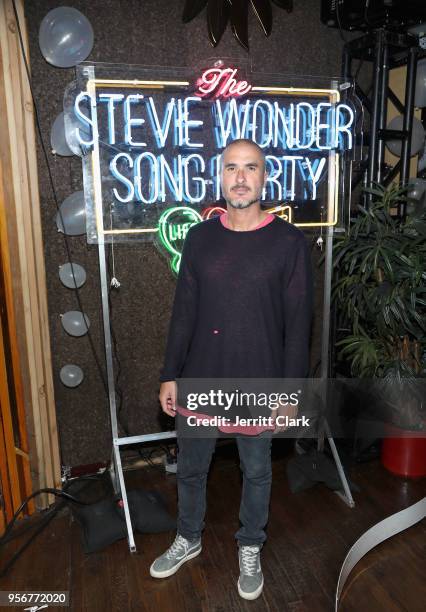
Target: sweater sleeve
183 317
297 299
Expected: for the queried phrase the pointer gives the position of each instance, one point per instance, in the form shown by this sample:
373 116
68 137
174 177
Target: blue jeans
193 464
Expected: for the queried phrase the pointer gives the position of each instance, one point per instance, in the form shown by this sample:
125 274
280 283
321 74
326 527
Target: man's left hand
283 411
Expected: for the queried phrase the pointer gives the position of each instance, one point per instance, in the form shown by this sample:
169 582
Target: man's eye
231 168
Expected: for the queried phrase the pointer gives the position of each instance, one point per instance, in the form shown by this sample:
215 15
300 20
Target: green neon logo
173 226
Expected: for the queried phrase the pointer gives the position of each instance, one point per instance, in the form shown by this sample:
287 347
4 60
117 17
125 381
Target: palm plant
379 289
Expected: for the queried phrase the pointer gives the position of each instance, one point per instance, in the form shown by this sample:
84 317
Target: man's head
243 173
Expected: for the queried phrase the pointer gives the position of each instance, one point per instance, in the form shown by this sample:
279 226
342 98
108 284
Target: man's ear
265 176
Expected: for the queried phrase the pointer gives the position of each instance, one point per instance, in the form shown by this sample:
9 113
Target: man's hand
289 411
168 397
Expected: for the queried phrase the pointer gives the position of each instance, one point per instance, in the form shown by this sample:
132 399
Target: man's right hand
168 397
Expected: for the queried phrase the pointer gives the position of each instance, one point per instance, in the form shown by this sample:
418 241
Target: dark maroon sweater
243 304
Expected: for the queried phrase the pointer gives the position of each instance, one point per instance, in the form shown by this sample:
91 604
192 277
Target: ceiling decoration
219 12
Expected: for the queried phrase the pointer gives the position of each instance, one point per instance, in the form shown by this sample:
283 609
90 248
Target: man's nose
241 177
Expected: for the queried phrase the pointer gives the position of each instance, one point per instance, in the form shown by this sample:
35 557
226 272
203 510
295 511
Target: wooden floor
309 535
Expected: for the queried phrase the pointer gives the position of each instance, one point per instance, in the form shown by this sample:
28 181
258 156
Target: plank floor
309 534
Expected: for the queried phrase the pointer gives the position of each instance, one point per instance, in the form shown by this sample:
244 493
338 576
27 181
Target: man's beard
240 204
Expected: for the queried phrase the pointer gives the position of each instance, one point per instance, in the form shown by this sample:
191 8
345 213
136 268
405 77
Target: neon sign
172 229
153 144
212 211
221 83
293 127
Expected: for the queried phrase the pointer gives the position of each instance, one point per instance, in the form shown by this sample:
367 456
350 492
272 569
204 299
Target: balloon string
114 281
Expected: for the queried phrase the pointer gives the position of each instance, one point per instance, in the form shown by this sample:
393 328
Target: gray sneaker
250 582
180 551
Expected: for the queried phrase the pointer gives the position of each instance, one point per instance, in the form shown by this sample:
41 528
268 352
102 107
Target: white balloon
75 323
71 375
65 37
72 124
72 274
416 188
417 136
58 141
75 129
72 215
420 94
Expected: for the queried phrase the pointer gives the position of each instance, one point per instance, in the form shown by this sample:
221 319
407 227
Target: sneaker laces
179 544
249 559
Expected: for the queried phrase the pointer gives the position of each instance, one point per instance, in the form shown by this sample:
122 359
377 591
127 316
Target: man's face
243 175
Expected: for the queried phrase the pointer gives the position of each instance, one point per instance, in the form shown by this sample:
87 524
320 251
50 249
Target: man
242 309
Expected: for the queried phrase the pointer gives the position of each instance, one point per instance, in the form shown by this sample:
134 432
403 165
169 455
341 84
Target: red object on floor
406 454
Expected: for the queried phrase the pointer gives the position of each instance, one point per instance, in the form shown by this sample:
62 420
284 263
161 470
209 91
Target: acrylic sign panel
150 144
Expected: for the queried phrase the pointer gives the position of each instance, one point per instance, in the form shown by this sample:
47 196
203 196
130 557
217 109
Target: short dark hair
247 141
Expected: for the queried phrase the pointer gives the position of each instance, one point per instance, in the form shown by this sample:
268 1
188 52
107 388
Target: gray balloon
75 129
416 188
71 375
58 141
417 136
72 215
75 323
420 94
65 37
72 124
72 274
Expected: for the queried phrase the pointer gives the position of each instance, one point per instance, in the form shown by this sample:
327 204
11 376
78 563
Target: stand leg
347 496
325 429
117 470
130 536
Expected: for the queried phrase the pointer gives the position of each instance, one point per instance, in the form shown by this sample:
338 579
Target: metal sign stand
346 495
116 470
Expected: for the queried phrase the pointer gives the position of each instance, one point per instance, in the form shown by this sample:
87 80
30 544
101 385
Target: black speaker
368 14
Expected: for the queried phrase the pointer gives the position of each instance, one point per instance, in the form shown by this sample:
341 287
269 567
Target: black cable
58 492
149 459
117 387
18 553
22 530
358 69
48 516
46 158
166 448
148 455
52 491
339 23
366 7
